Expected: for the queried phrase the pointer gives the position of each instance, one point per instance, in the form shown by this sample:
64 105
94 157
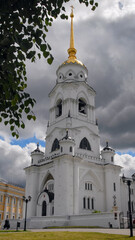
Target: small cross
72 7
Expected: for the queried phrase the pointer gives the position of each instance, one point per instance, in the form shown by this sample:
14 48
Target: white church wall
94 219
112 187
94 195
63 189
32 182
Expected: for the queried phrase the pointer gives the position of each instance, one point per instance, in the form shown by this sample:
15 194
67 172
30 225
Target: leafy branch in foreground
23 29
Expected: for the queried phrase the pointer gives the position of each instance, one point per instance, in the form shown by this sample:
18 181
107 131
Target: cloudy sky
105 43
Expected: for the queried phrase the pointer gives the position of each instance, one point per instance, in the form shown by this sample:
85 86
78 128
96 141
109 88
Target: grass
60 236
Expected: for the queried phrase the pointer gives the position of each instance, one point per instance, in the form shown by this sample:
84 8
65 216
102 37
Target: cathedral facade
73 177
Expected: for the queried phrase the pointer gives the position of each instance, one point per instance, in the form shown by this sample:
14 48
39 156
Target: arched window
44 208
82 106
59 108
55 145
70 149
84 144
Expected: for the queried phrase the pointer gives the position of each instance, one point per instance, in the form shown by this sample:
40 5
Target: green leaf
50 60
0 119
21 56
6 122
93 8
43 47
29 117
34 118
4 115
23 125
63 16
39 55
31 54
27 110
45 28
11 121
91 2
12 128
13 134
45 54
26 45
63 8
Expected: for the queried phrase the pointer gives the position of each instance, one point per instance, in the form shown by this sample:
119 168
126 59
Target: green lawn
60 236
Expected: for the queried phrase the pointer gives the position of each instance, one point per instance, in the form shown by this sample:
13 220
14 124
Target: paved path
100 230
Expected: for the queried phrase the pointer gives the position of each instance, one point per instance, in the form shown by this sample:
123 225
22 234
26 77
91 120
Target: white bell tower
72 107
72 178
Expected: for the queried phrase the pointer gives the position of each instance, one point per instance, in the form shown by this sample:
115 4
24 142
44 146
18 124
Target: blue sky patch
128 152
23 142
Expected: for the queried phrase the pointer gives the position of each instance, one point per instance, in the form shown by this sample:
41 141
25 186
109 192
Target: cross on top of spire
72 7
72 51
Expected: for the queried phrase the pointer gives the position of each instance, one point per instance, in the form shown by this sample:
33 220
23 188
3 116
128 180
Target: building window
7 216
84 202
112 159
114 187
81 76
84 144
44 208
88 201
61 149
52 210
1 198
59 108
55 145
14 201
70 149
115 216
92 203
82 106
88 186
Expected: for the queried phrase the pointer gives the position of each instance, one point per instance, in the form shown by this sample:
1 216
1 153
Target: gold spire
72 51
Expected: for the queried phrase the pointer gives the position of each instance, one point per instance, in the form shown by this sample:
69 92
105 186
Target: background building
11 202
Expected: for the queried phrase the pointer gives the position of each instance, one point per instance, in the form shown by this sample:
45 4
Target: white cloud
13 159
127 162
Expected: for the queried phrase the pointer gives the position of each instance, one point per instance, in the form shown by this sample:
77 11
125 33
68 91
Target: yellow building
11 202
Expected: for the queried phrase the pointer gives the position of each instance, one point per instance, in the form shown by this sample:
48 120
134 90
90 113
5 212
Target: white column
75 188
5 208
23 210
11 210
88 112
17 208
76 107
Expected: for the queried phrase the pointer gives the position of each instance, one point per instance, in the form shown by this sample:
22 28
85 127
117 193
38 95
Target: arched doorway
44 208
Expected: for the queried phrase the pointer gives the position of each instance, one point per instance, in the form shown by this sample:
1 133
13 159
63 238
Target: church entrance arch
44 208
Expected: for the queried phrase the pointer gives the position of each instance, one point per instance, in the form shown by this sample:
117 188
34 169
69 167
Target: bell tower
72 107
72 178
